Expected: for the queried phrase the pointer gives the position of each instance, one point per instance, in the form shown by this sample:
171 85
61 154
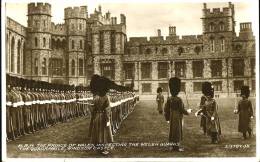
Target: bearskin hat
245 91
159 89
175 86
104 85
94 84
207 89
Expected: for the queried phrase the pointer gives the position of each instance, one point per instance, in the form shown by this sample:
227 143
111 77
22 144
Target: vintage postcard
130 80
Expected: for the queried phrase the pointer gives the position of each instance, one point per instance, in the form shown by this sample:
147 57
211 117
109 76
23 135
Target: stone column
172 69
206 69
247 67
96 63
189 73
224 68
154 70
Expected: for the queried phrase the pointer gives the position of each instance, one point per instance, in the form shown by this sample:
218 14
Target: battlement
39 8
58 29
75 12
218 12
169 39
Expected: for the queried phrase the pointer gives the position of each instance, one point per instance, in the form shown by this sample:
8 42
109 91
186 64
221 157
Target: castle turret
218 28
172 31
75 21
39 27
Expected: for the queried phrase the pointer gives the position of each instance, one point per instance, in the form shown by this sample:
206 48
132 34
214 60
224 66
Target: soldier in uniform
202 111
100 129
245 111
160 100
9 110
173 112
211 113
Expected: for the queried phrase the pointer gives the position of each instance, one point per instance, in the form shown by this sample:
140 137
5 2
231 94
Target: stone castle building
87 44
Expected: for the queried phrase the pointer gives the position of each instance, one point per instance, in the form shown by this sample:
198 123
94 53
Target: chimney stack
159 32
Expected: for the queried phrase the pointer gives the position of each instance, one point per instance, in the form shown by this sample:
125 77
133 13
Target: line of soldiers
33 105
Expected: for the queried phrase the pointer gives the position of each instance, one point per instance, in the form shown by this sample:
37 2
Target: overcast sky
143 19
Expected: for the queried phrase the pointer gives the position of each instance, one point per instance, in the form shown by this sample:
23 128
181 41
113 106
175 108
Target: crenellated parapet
218 12
193 39
75 12
39 8
58 29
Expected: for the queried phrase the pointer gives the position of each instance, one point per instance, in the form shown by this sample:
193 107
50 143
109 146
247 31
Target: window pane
197 86
216 68
180 69
197 68
146 70
162 70
238 67
146 87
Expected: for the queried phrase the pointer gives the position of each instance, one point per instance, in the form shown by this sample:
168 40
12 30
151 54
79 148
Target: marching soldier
245 111
173 112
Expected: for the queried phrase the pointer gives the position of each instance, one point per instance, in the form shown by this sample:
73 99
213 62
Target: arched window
58 44
80 44
35 42
80 26
18 56
53 43
24 60
49 42
44 42
148 51
164 51
211 27
12 55
222 44
221 26
44 69
212 44
72 44
36 66
7 51
72 67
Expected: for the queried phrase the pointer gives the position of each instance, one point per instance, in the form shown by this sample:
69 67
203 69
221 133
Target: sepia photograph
138 80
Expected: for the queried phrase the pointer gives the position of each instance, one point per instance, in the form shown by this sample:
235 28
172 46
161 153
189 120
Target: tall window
146 87
72 44
56 65
238 84
197 68
162 70
180 69
80 26
146 70
108 70
197 86
101 42
113 42
12 55
49 42
44 42
36 66
252 63
211 27
44 64
129 71
221 26
81 67
80 44
217 85
18 56
238 67
72 67
212 45
222 44
24 60
36 42
216 68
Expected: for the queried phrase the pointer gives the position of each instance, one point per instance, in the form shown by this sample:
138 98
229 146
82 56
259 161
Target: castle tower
39 41
218 28
75 22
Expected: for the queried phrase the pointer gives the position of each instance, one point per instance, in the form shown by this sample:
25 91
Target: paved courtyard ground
144 125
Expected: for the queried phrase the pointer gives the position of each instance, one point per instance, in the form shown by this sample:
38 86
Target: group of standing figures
208 110
35 105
